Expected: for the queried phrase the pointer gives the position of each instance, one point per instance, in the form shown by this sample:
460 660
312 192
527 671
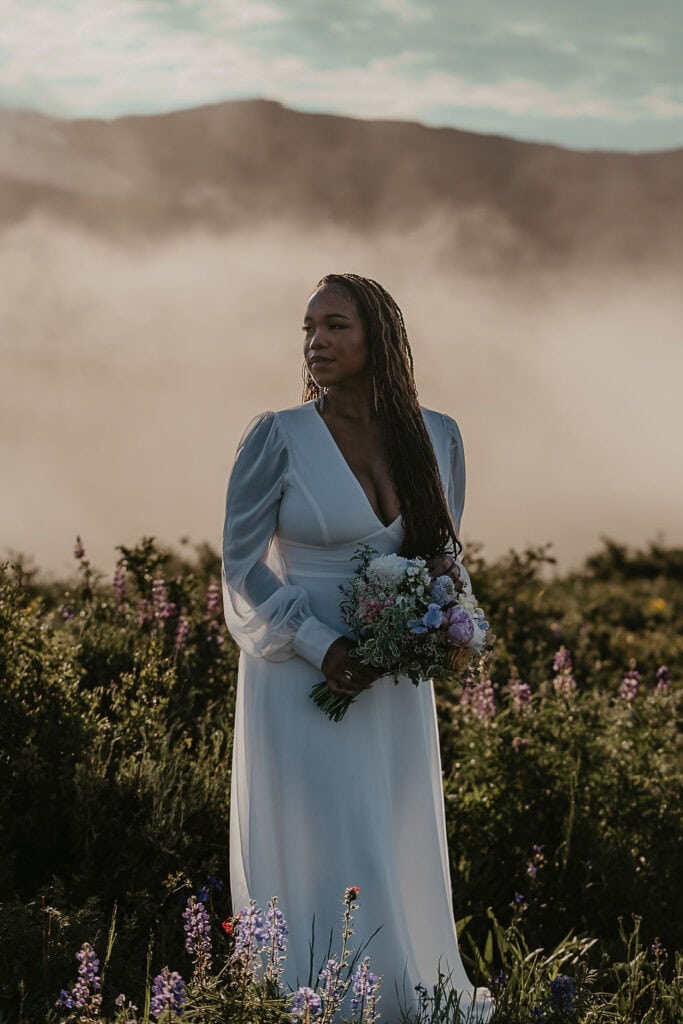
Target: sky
578 74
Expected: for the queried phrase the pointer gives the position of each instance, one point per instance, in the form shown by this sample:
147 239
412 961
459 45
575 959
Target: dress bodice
295 511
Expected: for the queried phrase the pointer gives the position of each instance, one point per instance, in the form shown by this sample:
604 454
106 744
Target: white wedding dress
317 806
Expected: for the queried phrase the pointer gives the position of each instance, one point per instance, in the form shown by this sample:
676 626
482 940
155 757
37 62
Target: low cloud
130 373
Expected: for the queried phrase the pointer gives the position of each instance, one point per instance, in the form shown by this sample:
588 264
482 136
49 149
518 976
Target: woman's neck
351 401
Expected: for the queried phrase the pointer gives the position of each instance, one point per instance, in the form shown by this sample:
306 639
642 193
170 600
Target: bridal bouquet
406 623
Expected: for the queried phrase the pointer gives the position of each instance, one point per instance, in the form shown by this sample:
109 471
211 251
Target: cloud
406 10
414 60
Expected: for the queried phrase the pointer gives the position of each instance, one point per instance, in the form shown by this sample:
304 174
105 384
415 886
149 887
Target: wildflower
520 742
68 613
531 870
79 550
228 925
663 678
250 933
364 993
497 982
562 661
163 608
520 693
329 985
145 612
564 683
630 682
275 935
85 993
562 991
181 633
168 994
479 700
212 598
198 937
306 1005
119 585
351 894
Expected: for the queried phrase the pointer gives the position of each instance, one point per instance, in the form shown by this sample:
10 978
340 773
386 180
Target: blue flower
168 994
562 989
431 619
433 616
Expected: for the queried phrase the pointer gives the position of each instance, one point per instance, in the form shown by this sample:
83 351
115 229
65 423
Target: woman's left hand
445 565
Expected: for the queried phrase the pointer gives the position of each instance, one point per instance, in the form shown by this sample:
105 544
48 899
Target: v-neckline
342 458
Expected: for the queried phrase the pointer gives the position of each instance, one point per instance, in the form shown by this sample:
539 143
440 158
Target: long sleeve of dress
455 492
267 616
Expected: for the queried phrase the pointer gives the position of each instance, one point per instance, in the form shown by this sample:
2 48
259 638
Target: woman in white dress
318 806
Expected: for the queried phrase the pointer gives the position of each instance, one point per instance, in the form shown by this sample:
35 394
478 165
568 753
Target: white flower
388 568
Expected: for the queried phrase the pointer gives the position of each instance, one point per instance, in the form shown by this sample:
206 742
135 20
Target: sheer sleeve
455 492
266 615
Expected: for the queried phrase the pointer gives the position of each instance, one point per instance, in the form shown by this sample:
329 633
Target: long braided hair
427 521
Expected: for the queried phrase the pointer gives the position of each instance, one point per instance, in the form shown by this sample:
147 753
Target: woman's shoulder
275 425
441 421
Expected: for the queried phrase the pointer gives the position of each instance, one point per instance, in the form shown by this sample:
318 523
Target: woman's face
335 345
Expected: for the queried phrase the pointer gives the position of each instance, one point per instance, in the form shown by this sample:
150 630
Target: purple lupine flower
213 592
119 585
163 608
249 933
145 611
663 678
306 1005
182 631
521 694
629 685
85 993
168 994
329 985
198 934
562 661
364 992
203 894
459 625
479 700
562 991
531 870
275 937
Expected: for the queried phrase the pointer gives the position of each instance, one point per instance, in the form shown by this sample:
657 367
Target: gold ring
348 674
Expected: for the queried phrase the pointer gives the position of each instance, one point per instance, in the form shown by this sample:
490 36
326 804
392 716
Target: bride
319 806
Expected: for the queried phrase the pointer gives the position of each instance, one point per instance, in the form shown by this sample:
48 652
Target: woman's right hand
343 673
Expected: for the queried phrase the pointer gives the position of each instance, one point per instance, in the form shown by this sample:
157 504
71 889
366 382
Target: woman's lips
319 361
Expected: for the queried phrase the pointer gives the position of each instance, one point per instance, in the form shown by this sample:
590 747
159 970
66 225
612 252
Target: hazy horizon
131 373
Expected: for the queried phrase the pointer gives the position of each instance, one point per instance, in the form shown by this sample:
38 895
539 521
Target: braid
414 471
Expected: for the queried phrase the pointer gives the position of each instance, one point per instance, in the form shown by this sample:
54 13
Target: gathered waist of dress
310 561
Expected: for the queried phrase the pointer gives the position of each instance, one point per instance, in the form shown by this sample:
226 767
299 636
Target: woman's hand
445 565
344 674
